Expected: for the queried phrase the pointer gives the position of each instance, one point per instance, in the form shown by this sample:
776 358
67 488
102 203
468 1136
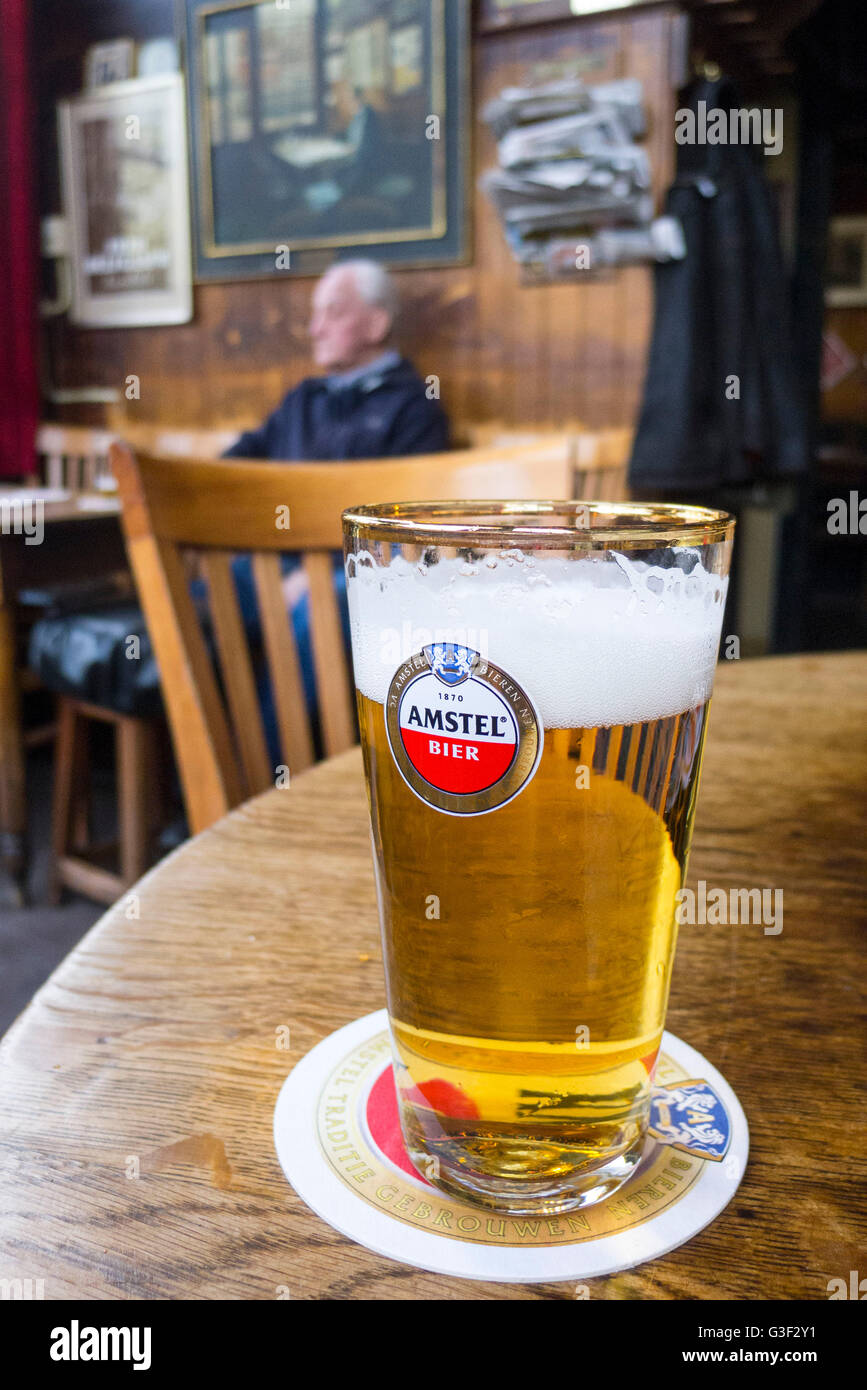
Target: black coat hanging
721 403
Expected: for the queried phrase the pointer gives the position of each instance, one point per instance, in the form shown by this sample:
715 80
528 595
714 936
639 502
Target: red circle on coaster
383 1122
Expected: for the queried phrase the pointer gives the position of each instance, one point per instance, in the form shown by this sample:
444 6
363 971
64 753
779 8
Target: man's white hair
374 284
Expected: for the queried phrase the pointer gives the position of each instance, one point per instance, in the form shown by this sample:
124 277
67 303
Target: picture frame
319 133
105 63
512 14
846 266
124 171
156 56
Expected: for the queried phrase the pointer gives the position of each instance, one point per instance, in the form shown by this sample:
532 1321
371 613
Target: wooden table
156 1037
81 540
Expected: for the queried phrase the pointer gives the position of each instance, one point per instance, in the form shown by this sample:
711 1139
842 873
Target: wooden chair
76 457
77 861
73 457
215 509
494 434
176 442
601 465
600 457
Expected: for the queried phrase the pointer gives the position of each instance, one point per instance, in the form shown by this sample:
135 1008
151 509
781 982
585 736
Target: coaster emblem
691 1117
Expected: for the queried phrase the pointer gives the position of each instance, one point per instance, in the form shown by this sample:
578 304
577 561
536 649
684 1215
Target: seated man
371 402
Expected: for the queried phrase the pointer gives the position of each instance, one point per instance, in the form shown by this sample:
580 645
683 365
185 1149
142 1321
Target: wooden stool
75 859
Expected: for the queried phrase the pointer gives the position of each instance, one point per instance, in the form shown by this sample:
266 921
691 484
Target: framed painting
846 274
109 62
123 151
327 128
507 14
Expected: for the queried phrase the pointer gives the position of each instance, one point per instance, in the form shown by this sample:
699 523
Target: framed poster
846 273
109 62
124 167
327 128
507 14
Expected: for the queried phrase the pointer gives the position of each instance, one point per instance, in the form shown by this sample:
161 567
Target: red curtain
19 390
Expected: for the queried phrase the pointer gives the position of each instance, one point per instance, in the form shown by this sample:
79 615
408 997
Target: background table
156 1038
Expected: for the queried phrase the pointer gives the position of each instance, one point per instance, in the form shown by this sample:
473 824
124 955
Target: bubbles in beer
597 640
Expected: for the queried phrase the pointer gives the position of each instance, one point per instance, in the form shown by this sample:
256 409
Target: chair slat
333 681
601 465
237 670
283 664
200 732
613 485
75 456
587 484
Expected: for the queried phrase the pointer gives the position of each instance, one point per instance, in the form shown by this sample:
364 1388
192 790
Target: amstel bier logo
465 735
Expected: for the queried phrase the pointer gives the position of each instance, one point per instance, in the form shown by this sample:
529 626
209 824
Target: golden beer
529 940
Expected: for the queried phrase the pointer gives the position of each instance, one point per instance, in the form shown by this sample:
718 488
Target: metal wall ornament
126 195
320 131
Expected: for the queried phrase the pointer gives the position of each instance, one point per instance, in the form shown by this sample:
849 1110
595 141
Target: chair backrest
602 465
215 509
177 442
493 434
73 456
600 457
76 456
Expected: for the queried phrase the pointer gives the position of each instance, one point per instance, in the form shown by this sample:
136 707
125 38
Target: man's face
346 331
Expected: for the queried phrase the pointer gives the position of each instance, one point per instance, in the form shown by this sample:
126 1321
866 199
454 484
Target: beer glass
533 685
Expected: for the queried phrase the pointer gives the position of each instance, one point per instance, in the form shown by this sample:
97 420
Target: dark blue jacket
385 416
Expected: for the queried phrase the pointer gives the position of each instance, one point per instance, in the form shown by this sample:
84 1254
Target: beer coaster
338 1140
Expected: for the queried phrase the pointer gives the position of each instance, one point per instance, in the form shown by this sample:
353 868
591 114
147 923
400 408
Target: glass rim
440 522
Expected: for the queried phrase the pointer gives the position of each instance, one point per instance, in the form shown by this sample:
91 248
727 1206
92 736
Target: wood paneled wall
517 354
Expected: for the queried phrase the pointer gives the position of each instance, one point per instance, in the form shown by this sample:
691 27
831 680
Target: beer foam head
597 640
